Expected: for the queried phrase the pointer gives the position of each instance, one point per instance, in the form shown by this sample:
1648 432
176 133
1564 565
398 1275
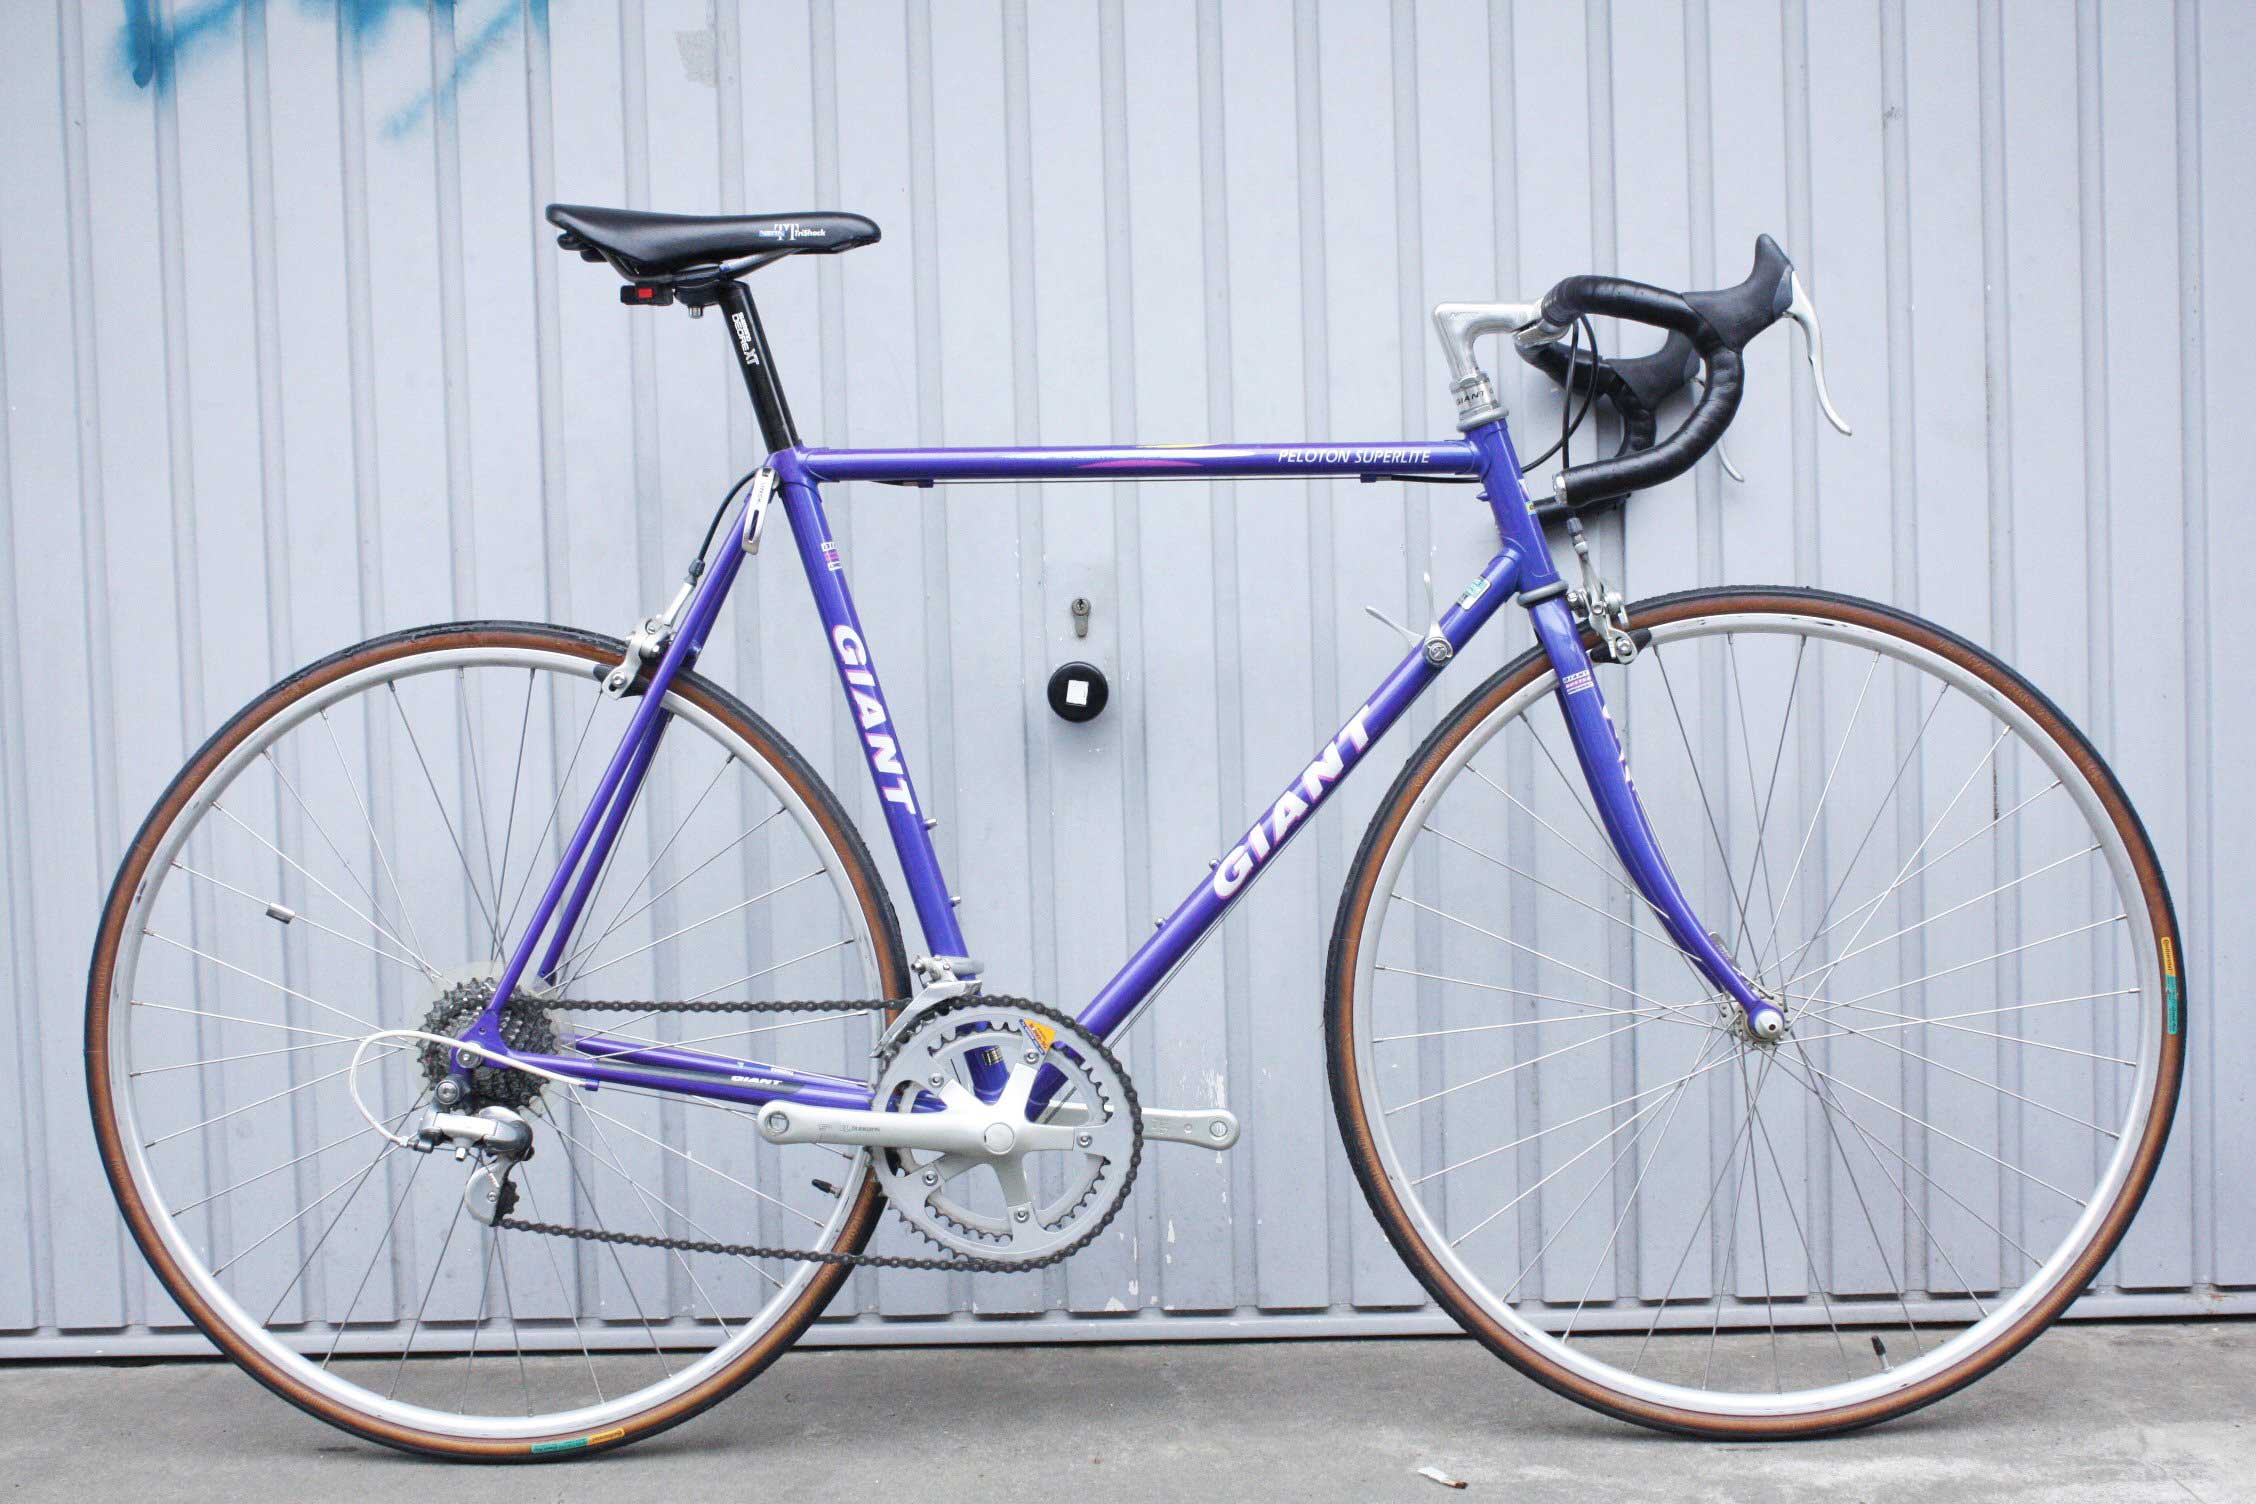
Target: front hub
1763 1026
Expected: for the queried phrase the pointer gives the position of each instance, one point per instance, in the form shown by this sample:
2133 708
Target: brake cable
1567 430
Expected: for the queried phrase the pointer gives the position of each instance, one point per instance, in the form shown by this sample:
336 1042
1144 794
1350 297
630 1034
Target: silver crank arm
1202 1128
944 1132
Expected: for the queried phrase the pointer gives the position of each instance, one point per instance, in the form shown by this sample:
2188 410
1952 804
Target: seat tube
880 737
1597 745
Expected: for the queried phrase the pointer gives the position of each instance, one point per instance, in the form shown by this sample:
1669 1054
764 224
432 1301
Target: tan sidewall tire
877 911
1362 1152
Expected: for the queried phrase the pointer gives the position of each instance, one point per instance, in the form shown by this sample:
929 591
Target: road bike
1786 1087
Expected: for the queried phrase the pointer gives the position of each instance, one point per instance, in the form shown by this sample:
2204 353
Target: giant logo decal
877 722
1272 830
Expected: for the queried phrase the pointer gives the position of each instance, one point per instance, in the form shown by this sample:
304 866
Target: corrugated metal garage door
287 359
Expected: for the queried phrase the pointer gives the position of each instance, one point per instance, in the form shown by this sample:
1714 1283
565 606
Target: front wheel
357 850
1582 1154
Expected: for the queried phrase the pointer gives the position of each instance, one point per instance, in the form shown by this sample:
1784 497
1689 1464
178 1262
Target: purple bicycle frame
1522 565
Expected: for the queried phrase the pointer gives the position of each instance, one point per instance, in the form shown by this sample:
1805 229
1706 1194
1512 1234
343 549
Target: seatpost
757 366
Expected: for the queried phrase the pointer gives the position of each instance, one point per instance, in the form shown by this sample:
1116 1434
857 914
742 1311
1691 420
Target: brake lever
1803 312
1722 454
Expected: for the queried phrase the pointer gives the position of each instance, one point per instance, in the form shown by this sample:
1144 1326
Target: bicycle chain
968 1262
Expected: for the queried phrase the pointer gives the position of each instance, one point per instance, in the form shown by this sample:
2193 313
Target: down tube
865 699
1124 997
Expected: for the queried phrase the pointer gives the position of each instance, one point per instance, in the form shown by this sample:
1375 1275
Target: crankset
997 1174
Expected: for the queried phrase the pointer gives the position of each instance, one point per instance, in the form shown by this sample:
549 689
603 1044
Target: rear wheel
357 850
1574 1143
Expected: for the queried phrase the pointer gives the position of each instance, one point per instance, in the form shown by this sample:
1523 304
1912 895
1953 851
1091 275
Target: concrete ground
2125 1412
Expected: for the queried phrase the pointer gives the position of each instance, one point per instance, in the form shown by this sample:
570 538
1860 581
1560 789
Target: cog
1043 1185
525 1026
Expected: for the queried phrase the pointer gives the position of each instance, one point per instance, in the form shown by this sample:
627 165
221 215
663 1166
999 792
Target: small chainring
1047 1183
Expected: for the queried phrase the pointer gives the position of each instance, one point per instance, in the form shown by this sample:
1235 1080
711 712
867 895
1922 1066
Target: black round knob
1078 691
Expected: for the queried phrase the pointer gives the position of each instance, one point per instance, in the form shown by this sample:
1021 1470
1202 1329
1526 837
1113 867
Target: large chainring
1049 1180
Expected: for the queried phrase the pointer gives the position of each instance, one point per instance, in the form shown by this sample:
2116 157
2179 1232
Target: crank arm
958 1132
805 1123
1200 1127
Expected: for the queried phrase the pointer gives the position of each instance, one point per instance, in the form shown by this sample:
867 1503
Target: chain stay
815 1256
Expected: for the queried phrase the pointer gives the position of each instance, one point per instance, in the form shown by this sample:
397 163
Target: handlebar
1636 386
1717 324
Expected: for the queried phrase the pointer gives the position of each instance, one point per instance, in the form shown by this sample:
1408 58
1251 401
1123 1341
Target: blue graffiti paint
468 54
151 47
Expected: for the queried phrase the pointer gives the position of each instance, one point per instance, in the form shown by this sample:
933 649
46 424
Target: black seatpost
758 367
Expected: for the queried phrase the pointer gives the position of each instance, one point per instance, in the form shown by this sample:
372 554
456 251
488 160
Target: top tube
1141 462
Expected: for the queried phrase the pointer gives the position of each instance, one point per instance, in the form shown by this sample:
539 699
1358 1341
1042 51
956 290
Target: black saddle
641 244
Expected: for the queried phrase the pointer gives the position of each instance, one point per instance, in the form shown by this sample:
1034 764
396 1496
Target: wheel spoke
421 964
1887 801
556 1271
415 1327
288 1091
1539 955
583 952
1827 1106
1902 876
375 1254
375 841
1873 1143
516 777
657 1223
478 797
1817 813
1825 1005
555 808
268 906
1761 857
734 908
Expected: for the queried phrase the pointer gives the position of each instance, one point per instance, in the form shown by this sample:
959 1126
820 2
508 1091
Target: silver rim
344 1262
1683 1216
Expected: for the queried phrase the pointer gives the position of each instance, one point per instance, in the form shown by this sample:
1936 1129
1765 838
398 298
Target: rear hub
525 1028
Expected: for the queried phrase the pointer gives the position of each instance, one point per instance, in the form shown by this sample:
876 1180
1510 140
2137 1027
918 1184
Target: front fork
1605 767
